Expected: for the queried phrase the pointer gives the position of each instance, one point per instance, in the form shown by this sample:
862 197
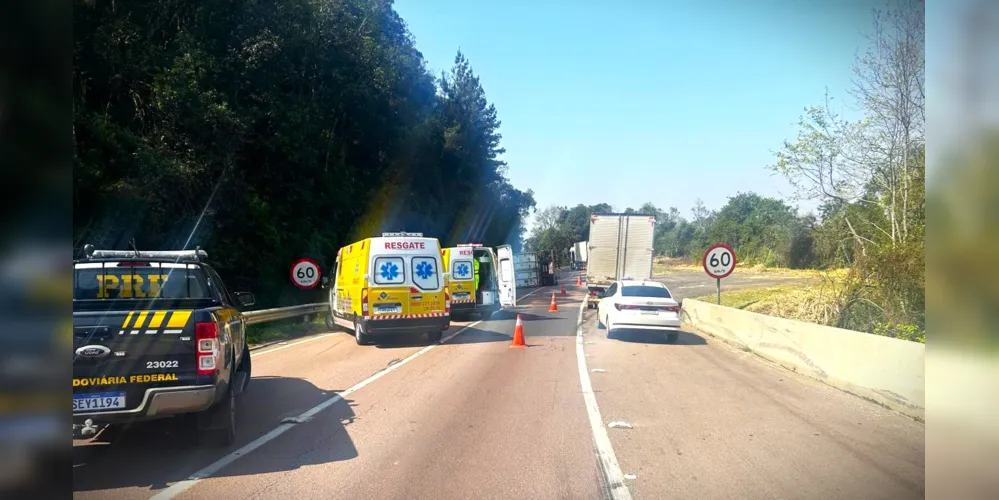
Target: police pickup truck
156 334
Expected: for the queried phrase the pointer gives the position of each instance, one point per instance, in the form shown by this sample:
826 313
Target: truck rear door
507 277
133 329
604 250
636 255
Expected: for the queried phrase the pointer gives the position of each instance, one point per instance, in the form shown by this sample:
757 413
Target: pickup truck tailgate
118 355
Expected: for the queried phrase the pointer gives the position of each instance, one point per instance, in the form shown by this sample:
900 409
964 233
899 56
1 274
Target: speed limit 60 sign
305 273
719 261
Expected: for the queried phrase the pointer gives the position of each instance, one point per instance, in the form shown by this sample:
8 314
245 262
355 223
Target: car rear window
139 281
645 291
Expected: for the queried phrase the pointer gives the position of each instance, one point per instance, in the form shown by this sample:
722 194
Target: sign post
305 273
719 262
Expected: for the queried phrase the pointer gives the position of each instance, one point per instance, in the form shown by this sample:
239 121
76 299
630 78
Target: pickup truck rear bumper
158 402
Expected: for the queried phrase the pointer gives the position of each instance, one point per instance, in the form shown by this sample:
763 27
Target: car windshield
645 291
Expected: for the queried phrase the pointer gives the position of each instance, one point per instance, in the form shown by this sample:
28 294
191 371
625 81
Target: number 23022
162 364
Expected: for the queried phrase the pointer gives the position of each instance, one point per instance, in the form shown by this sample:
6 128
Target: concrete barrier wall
886 370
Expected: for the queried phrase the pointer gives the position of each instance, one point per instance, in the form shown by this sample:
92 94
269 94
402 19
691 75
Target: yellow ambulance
391 285
478 285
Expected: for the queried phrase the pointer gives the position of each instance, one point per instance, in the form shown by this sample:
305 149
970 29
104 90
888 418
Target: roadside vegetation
268 131
284 330
869 177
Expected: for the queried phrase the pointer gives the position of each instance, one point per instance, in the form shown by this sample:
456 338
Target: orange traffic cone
563 290
579 280
554 307
518 334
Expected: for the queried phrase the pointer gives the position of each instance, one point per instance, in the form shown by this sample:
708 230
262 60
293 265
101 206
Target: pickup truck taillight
364 302
207 336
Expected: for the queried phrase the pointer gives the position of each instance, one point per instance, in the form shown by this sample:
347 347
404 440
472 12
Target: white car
639 305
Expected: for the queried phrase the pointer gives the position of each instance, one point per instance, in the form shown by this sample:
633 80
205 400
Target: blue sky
647 100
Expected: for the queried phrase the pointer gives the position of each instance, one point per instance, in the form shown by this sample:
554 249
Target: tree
268 131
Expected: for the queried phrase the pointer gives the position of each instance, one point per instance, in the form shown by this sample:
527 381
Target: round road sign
305 273
719 261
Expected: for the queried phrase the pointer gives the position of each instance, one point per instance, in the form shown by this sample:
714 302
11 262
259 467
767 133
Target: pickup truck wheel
360 336
226 435
246 366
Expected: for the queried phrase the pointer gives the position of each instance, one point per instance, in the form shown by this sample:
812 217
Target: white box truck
620 247
578 252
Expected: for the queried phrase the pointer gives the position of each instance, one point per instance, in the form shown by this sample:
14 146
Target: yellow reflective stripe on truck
174 325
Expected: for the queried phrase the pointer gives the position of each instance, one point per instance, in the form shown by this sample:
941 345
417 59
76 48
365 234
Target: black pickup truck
156 334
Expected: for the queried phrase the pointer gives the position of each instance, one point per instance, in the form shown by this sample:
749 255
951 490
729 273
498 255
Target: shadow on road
479 336
655 337
511 314
152 455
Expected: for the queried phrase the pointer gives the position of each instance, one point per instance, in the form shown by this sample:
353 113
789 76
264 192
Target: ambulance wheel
360 336
330 324
434 336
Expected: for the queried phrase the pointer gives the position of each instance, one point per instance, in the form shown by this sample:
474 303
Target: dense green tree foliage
268 131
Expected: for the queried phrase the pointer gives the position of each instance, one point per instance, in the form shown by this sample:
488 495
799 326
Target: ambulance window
462 270
425 275
389 270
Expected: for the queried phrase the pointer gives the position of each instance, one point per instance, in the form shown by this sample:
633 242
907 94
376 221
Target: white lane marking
598 370
619 425
605 452
182 486
630 476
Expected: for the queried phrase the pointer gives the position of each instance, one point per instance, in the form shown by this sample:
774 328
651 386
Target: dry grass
663 266
817 302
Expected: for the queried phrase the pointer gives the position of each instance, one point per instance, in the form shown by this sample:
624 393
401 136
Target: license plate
650 311
462 296
389 309
98 401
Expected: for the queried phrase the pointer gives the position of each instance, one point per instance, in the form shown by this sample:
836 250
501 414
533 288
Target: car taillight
447 301
672 308
207 334
364 302
620 307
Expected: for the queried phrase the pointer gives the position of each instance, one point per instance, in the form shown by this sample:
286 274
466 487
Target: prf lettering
405 245
129 285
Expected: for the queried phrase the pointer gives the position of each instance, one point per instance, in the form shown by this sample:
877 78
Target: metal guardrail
278 313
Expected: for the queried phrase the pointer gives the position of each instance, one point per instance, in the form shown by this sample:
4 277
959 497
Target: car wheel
600 323
330 324
607 324
360 336
672 337
434 336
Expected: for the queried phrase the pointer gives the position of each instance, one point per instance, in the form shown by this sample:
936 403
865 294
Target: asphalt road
474 418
